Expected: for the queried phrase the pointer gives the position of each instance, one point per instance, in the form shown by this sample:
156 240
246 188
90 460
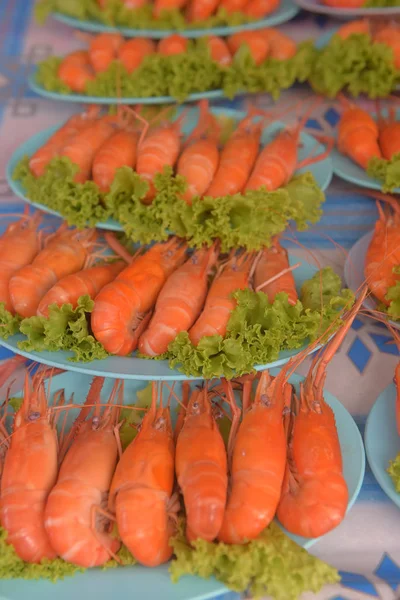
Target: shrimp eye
317 407
33 416
95 422
265 399
159 423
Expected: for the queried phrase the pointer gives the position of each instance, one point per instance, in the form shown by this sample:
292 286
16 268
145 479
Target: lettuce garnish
356 64
386 171
258 331
9 324
248 220
117 13
381 3
66 328
272 565
394 472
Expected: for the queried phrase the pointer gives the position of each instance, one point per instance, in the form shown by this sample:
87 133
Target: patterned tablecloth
366 546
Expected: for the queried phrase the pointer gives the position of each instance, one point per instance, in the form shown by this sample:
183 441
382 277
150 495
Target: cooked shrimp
179 302
141 489
233 6
201 468
354 27
389 133
41 158
30 472
281 46
259 8
257 451
257 43
103 50
358 134
390 36
172 45
237 159
214 318
198 162
200 10
76 71
219 50
75 517
273 262
65 252
166 5
132 52
314 493
122 308
19 245
71 287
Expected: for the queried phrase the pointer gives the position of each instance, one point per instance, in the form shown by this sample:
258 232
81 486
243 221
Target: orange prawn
76 71
259 8
281 46
273 275
200 10
237 159
103 50
389 133
314 494
257 43
179 302
257 454
390 36
132 53
41 158
201 468
358 134
75 518
198 162
219 50
233 276
86 282
361 26
233 6
166 5
172 45
142 486
65 252
19 245
30 472
122 308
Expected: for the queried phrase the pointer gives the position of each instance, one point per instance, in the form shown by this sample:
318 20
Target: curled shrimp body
390 36
281 47
179 302
272 274
214 318
75 519
118 150
19 245
389 134
358 135
162 5
172 45
236 160
201 469
142 486
65 253
257 450
132 52
122 308
219 50
103 49
199 10
256 41
383 254
76 71
70 288
30 471
354 27
259 8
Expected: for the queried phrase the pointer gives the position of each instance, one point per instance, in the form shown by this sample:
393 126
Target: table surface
366 546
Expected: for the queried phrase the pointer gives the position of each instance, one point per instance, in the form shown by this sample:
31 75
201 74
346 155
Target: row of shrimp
100 145
387 33
198 10
283 457
80 67
361 136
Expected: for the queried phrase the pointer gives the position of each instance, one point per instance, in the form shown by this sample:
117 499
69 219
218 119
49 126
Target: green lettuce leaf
272 565
117 13
258 331
355 64
394 472
47 75
393 295
128 431
9 324
381 3
387 171
66 328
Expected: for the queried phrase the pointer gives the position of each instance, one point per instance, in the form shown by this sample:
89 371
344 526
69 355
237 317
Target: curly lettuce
272 565
258 330
66 328
9 323
116 13
355 64
393 297
386 171
394 472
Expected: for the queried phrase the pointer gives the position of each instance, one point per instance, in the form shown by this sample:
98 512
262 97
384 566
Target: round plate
382 442
155 583
316 6
322 171
354 271
286 11
141 368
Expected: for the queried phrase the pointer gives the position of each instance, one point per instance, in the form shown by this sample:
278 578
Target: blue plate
382 442
316 6
155 583
286 11
322 171
354 271
140 368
